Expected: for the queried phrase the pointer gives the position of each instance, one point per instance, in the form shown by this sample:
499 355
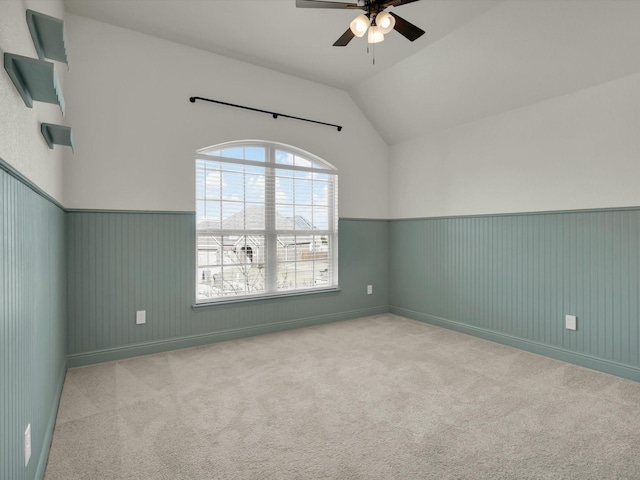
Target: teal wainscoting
120 262
512 278
32 322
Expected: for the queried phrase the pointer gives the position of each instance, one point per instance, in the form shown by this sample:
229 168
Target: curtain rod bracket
273 114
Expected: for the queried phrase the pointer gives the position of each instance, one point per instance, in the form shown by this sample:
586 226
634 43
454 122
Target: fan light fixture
383 23
359 25
375 34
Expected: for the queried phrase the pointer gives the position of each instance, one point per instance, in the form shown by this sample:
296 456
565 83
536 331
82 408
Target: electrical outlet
369 289
27 445
141 317
571 322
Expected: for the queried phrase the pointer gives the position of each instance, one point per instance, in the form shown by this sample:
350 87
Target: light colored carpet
381 397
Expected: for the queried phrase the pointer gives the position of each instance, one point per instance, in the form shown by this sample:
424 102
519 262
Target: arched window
267 221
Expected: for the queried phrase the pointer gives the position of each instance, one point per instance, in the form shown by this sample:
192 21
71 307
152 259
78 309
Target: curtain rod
273 114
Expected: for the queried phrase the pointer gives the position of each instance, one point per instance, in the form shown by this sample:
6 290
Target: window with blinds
267 221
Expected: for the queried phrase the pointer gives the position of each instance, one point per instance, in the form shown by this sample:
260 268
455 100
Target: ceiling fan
375 19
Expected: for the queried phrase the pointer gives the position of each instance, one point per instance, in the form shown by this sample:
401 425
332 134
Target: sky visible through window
228 188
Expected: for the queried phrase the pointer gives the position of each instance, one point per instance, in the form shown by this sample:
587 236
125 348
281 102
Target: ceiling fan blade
397 3
407 29
344 39
321 4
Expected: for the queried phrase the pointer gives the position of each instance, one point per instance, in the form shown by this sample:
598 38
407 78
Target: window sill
274 296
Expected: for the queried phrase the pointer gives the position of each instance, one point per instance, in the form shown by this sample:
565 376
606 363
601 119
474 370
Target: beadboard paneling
121 262
518 275
32 324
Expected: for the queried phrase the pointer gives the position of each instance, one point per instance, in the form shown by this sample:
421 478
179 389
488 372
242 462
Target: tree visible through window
267 221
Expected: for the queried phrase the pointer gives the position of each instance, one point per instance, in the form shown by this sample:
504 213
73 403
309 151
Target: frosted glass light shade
375 35
359 25
385 22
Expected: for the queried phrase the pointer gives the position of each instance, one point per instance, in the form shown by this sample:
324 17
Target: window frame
270 232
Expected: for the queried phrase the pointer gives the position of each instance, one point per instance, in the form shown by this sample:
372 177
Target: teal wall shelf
34 79
57 135
49 36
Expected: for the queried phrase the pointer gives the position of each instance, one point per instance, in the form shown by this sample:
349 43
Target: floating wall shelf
34 79
57 135
49 36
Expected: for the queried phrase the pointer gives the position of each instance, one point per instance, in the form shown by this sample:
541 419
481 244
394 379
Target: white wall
577 151
21 143
516 54
136 131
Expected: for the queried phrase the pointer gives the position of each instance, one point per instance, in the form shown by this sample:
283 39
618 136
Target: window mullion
333 227
271 237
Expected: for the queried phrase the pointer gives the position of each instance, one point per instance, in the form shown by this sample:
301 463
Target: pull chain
372 50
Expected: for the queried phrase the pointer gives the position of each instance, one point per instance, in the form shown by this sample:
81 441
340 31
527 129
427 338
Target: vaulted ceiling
478 57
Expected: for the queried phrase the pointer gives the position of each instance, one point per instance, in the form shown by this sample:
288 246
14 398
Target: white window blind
267 221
